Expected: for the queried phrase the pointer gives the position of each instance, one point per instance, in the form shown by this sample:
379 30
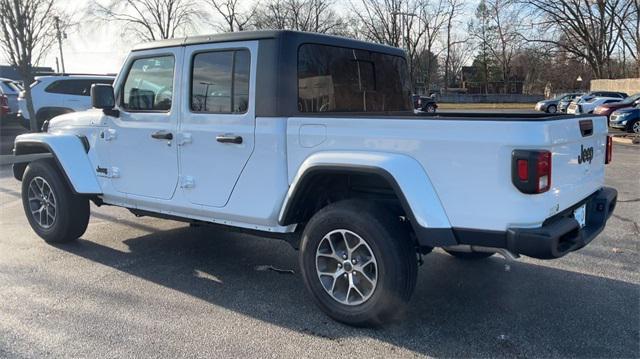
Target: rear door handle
162 135
229 139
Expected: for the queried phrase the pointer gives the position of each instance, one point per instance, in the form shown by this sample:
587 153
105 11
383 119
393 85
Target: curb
626 140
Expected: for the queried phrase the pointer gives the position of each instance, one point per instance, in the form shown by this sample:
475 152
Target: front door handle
229 139
162 135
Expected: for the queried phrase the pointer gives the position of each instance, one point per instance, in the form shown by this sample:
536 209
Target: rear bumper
558 235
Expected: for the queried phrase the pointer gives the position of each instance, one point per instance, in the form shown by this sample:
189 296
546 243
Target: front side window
149 85
220 82
337 79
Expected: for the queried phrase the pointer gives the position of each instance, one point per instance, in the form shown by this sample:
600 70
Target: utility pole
59 34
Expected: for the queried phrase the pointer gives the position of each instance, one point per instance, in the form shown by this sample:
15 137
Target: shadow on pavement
459 308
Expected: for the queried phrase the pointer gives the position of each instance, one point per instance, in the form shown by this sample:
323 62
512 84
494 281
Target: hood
615 105
626 110
75 119
548 102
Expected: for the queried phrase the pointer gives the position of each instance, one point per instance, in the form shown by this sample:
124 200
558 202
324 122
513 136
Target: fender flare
406 176
69 152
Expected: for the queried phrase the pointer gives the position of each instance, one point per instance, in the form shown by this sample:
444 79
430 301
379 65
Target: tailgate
579 149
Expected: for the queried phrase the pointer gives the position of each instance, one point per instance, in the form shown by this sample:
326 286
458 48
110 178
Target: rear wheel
54 212
430 108
469 255
358 262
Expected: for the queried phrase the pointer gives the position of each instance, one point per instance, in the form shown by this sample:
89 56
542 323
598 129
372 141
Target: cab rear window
338 79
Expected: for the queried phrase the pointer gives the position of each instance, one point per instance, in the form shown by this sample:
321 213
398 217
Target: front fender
405 174
70 154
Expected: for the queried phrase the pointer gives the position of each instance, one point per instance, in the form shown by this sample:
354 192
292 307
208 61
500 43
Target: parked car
352 178
11 89
627 119
4 106
59 94
608 108
551 106
564 105
425 103
588 105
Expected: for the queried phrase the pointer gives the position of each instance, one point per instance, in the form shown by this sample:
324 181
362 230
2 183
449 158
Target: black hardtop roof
298 36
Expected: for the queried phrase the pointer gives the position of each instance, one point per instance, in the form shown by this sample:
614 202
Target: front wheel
552 109
358 262
54 212
635 127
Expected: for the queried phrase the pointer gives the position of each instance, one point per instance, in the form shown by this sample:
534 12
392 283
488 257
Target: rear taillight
543 171
609 154
531 170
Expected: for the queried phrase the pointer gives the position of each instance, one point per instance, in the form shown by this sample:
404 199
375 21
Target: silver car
11 89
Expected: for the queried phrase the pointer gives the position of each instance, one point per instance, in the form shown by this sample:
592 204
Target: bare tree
235 18
628 22
459 53
150 19
497 27
454 10
413 25
27 34
432 20
482 31
587 29
300 15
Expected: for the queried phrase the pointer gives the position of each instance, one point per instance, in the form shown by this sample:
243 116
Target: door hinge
187 182
184 138
108 134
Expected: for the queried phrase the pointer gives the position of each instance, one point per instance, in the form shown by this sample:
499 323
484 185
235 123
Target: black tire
430 108
552 109
394 252
634 127
71 214
470 255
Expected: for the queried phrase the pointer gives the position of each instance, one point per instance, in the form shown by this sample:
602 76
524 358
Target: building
11 72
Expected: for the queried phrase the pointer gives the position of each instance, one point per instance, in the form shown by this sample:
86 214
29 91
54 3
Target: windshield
631 99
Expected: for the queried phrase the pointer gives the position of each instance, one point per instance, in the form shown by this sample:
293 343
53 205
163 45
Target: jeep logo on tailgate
586 154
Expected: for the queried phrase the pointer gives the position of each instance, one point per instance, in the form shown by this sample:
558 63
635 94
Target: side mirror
102 97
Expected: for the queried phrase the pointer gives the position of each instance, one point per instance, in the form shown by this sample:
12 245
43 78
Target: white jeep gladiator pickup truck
313 139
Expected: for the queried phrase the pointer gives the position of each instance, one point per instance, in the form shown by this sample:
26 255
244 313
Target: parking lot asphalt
144 287
9 129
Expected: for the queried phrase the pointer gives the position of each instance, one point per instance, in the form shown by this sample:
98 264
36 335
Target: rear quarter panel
467 161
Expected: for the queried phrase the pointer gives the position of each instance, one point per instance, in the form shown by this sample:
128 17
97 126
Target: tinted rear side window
337 79
75 87
220 82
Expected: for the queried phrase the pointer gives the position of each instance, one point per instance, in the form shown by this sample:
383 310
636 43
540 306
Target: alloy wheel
42 202
346 267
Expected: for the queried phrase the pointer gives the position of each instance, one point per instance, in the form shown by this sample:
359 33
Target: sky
98 47
91 46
